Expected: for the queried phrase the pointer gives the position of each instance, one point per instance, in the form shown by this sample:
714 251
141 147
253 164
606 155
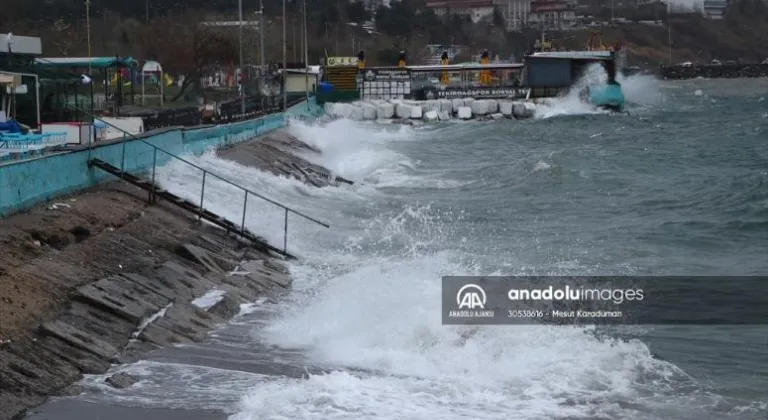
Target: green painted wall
29 182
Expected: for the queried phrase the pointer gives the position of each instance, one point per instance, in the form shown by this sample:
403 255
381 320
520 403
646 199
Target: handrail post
90 143
285 233
202 194
245 206
154 165
122 162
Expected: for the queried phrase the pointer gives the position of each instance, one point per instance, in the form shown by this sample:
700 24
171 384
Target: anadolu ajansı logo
471 300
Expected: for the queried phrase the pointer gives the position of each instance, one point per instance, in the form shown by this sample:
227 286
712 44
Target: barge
543 74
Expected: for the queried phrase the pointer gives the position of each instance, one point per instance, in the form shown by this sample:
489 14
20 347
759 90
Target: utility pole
306 55
261 32
242 67
88 32
146 10
285 61
669 40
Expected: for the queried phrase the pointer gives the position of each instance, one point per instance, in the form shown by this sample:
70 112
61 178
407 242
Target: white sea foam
365 300
365 309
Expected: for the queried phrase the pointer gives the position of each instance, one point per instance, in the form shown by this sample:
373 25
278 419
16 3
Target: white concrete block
431 105
505 107
385 110
431 116
456 103
523 110
497 116
445 105
417 112
403 110
465 113
369 111
468 101
355 113
493 106
444 115
479 107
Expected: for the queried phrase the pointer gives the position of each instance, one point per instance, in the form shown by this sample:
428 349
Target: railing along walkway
153 188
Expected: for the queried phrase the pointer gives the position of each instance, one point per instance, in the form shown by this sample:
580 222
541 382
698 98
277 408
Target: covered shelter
19 91
105 67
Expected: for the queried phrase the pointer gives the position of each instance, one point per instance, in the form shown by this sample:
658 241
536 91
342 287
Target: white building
515 12
475 9
715 9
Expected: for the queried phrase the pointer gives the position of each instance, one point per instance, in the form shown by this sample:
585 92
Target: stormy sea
677 187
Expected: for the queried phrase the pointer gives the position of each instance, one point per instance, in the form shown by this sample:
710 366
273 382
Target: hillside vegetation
174 37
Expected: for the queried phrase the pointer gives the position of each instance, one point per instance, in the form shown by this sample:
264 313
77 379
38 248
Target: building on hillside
371 5
715 9
474 9
515 12
551 14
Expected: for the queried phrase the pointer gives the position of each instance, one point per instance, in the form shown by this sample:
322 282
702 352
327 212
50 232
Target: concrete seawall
102 278
24 183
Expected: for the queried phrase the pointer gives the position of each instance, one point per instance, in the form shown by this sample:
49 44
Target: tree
187 48
66 36
356 12
498 18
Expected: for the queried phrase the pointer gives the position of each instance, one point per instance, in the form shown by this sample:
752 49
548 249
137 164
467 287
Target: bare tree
185 48
66 37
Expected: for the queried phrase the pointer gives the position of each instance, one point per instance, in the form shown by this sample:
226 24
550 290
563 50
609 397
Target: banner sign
386 75
341 61
483 93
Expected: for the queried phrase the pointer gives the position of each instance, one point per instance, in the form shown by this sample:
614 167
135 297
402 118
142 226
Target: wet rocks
280 154
120 317
121 380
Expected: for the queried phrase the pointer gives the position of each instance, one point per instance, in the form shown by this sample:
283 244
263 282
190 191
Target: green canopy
95 62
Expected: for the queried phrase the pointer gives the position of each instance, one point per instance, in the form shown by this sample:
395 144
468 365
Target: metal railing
247 192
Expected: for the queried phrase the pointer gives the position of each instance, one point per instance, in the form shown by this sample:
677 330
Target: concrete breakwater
431 110
101 278
722 71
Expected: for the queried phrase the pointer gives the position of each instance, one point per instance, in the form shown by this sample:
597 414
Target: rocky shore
715 72
278 153
102 278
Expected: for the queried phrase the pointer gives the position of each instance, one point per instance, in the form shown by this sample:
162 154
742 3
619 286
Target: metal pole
154 165
242 67
261 32
285 231
146 6
669 40
202 194
88 31
306 55
285 61
122 162
245 207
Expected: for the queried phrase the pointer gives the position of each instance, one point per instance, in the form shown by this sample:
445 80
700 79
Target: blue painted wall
29 182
